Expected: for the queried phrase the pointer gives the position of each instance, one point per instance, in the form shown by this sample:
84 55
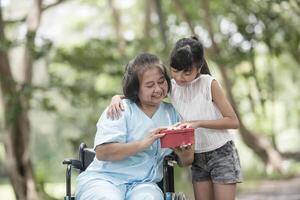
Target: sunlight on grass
56 190
6 192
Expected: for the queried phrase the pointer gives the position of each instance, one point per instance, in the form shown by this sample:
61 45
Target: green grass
183 181
55 190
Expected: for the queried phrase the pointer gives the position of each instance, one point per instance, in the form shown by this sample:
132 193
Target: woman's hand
151 137
185 154
115 108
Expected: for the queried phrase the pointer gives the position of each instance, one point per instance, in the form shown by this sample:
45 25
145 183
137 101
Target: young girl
198 97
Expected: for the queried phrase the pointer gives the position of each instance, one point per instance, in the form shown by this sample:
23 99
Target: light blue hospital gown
135 176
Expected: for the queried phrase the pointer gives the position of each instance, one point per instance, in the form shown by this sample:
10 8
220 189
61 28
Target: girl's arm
119 151
229 120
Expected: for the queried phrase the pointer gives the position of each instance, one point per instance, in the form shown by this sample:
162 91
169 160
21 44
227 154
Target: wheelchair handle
74 163
66 162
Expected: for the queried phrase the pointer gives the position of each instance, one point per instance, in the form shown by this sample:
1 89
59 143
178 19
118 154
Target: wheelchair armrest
171 159
73 163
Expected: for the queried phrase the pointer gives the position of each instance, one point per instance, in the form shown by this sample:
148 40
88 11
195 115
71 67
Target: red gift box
177 137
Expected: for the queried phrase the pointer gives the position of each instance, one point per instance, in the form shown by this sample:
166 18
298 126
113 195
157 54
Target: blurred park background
62 60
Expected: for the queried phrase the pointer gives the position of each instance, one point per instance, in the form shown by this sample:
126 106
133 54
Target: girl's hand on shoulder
115 108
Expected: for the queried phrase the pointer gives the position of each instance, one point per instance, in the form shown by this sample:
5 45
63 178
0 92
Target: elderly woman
128 161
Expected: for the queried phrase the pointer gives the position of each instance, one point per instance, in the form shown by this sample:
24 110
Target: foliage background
81 48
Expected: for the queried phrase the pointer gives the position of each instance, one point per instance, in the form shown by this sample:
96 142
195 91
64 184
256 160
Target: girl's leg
224 191
203 190
225 171
145 191
202 184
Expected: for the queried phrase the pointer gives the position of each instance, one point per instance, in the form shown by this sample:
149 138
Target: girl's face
183 77
153 87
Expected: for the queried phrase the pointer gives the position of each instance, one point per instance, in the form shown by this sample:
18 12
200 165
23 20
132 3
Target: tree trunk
16 105
147 24
180 8
260 145
16 141
258 86
161 22
147 19
118 26
291 155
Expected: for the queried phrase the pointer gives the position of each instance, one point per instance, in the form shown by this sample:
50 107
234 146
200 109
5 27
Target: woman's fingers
158 130
177 124
159 135
156 133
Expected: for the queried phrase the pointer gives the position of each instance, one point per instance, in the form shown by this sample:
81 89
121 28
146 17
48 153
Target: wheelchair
86 156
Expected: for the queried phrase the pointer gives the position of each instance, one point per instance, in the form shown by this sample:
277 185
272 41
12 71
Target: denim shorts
221 165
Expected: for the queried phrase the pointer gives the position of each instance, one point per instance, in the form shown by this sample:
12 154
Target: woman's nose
157 88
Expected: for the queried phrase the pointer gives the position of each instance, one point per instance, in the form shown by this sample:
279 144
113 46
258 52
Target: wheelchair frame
86 156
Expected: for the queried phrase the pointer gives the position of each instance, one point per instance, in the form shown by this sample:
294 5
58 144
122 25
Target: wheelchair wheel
180 196
176 196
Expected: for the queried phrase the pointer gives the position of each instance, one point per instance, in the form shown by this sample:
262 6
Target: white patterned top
194 102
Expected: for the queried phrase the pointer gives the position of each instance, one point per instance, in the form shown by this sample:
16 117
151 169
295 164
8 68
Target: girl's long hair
189 53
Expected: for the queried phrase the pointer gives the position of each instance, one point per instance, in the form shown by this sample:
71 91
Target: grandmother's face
153 87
